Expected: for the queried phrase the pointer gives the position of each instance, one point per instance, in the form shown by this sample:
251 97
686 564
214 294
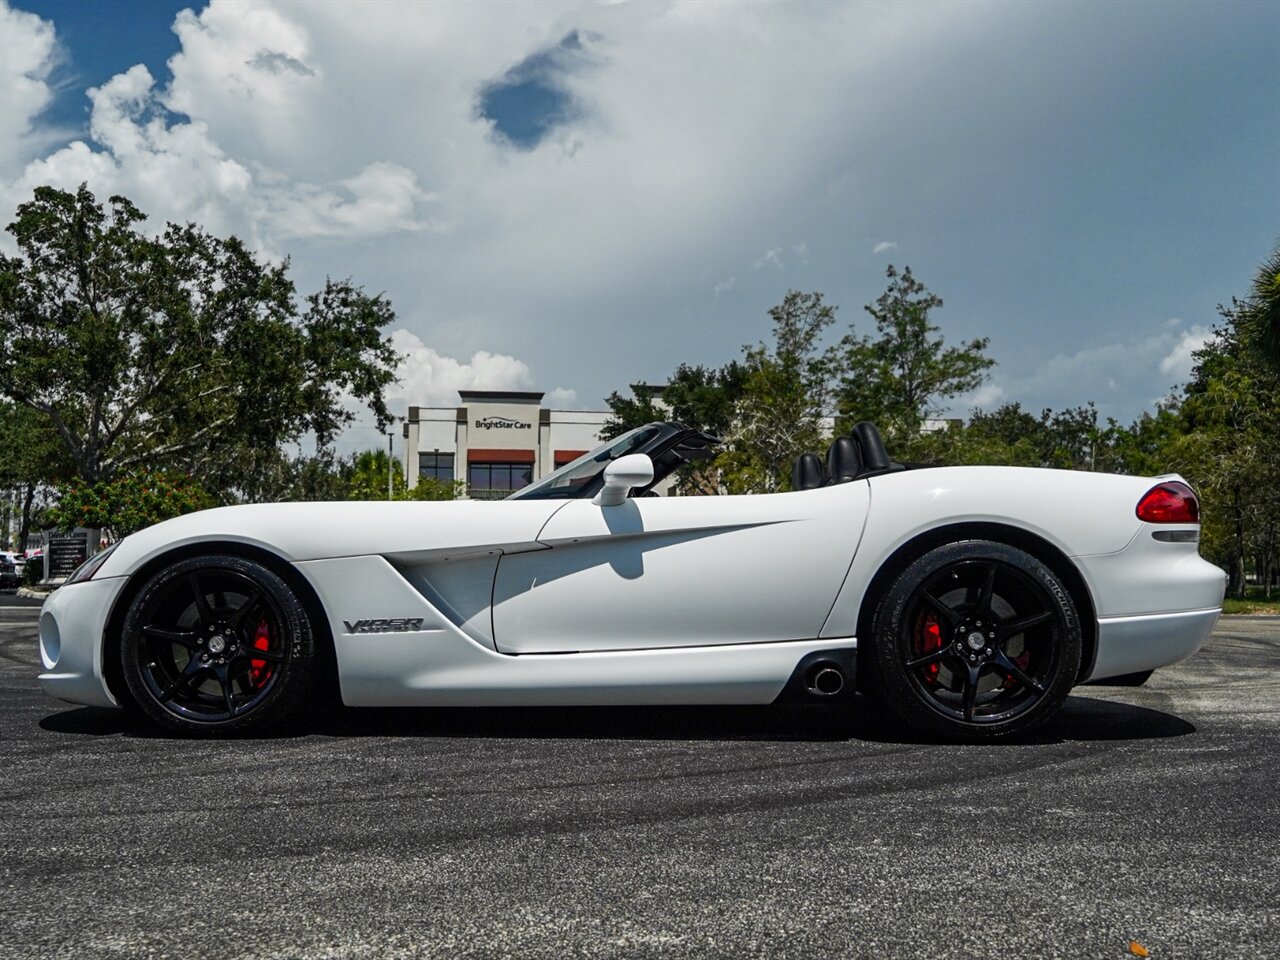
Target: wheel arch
1044 551
113 634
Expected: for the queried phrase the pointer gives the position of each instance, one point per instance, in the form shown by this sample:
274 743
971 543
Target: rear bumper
1134 644
72 623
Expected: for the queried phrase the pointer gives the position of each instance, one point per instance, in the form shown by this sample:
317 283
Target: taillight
1169 502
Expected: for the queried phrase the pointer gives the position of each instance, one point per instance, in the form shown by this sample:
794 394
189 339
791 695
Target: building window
493 481
437 465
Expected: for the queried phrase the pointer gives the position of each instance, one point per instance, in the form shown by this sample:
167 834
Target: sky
574 197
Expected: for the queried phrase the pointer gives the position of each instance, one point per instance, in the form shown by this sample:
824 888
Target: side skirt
396 670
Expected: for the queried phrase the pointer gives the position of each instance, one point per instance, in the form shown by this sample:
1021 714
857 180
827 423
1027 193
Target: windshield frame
549 487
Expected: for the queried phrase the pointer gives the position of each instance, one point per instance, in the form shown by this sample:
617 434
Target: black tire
974 641
217 646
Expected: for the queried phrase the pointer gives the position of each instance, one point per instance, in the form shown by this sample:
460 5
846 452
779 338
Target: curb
33 594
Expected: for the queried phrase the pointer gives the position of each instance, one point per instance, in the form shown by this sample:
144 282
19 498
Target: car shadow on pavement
1081 719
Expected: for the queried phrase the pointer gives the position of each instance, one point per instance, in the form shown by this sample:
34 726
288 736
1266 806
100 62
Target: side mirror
621 475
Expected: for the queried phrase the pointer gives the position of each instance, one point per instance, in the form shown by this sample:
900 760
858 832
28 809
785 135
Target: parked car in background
10 575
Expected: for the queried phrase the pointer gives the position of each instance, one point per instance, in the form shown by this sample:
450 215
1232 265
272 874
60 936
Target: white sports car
968 601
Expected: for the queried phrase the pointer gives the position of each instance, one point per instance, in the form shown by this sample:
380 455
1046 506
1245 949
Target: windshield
571 479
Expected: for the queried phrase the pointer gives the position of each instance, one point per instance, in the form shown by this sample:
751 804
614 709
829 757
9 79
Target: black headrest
844 462
807 472
874 456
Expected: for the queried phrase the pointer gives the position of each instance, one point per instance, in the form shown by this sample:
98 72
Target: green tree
433 488
31 459
1076 441
785 391
1260 318
1005 436
1144 448
1070 439
1230 445
364 477
179 351
359 476
704 398
700 397
127 502
627 413
1010 436
276 476
903 375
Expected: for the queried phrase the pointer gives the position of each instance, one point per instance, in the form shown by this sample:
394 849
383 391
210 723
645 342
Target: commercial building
496 441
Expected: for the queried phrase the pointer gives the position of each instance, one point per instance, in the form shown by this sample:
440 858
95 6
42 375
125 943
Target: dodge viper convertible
964 601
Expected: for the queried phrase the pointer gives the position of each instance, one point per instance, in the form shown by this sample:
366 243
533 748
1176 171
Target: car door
680 571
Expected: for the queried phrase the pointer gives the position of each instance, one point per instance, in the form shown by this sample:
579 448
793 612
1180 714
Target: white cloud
228 75
986 397
1179 361
1066 379
770 258
429 379
28 53
381 198
177 171
1118 374
172 172
561 399
346 135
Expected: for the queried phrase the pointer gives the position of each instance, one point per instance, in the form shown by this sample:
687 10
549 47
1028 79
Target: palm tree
1264 309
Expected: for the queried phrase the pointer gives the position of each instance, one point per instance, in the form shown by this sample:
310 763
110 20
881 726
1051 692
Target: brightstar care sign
502 423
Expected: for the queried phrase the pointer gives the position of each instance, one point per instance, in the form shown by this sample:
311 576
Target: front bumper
72 623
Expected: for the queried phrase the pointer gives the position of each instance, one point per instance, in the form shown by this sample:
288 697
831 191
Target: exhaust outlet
822 676
825 680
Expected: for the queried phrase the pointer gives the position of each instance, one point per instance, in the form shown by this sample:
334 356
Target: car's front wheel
217 645
975 640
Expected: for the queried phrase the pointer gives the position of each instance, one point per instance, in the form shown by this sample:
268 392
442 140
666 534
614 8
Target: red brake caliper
258 672
1021 660
930 640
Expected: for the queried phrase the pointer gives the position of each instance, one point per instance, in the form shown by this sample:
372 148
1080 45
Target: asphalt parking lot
1148 814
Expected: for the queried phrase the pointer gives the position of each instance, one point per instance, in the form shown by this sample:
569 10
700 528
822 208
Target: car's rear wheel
975 640
217 645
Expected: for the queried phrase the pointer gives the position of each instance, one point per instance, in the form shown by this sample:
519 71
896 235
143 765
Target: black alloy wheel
217 645
975 640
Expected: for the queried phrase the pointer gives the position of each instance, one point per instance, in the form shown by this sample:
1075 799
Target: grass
1253 602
